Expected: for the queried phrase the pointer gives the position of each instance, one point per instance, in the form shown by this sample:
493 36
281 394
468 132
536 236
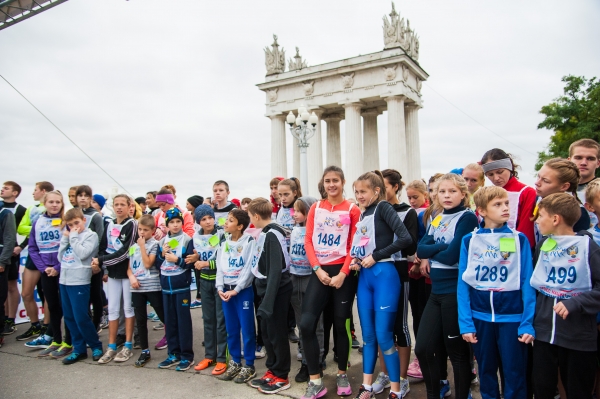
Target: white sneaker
404 387
108 356
381 382
123 356
260 352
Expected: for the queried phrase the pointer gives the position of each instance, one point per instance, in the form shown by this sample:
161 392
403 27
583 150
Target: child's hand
201 264
425 267
561 310
224 296
414 270
526 338
355 264
192 258
368 261
51 272
95 269
166 249
337 281
323 276
66 233
95 262
232 293
470 337
105 278
170 257
141 242
135 284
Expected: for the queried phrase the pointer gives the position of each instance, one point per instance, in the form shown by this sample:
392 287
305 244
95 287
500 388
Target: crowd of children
506 276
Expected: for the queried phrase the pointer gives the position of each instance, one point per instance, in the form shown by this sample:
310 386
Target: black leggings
97 297
441 332
52 295
140 301
418 295
320 298
257 302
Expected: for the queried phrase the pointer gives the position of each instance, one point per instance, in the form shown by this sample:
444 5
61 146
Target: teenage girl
501 170
274 196
330 226
560 175
121 233
379 235
43 250
403 262
440 330
475 178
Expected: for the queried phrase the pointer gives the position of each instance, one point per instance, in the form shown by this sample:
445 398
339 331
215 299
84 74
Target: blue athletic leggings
378 293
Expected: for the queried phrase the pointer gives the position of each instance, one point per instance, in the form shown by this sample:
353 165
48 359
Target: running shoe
170 361
159 326
32 332
96 354
302 375
360 349
184 365
39 343
74 358
143 359
314 391
137 344
364 393
392 395
151 315
262 380
343 385
46 352
260 352
292 336
233 370
415 370
162 344
196 304
275 385
204 364
474 379
108 356
299 356
124 355
9 327
104 320
246 374
381 382
63 351
155 319
219 369
404 387
355 343
445 389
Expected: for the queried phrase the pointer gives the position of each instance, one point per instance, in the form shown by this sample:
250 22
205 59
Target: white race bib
260 246
207 244
299 264
442 228
330 234
47 234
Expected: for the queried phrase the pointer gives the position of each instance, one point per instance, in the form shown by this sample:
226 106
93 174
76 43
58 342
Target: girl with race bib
300 272
501 170
439 330
560 176
77 247
289 191
113 256
330 226
567 278
380 234
496 301
44 244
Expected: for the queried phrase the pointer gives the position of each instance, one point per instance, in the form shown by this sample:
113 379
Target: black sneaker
302 375
246 374
9 327
360 350
74 358
292 336
233 370
355 343
136 342
262 380
33 331
275 385
143 359
120 340
43 329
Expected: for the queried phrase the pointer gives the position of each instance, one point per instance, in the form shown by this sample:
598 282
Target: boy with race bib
221 205
77 247
206 242
175 280
145 282
234 284
567 278
496 301
270 265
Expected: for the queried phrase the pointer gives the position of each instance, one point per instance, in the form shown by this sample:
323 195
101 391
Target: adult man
8 240
585 153
10 192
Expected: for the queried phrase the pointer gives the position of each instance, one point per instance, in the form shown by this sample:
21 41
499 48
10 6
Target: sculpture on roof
297 63
397 34
274 58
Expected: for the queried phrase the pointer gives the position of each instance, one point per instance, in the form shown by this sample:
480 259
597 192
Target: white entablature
367 85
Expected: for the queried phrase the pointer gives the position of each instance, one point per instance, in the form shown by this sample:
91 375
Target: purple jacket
42 260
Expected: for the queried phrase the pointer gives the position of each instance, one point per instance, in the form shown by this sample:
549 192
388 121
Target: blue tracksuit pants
178 324
239 316
76 306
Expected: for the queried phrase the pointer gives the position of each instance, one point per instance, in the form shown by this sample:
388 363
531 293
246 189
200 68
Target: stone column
315 157
296 159
370 139
334 151
278 149
354 152
396 134
413 147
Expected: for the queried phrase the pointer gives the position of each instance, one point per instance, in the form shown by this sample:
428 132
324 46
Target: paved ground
22 375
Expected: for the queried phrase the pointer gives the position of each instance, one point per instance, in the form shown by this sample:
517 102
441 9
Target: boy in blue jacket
175 280
496 303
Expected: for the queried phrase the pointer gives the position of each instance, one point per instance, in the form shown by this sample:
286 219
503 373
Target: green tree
573 116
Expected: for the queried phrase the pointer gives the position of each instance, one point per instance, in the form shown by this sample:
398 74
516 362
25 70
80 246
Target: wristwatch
315 268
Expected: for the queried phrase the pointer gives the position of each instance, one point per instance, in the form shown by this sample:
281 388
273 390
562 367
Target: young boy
145 282
244 204
220 203
175 280
270 266
206 242
496 302
8 240
234 284
567 276
78 246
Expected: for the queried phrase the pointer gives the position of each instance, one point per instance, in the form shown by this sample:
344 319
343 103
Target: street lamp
303 132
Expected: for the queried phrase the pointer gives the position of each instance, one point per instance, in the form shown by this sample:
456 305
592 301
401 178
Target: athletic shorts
30 265
13 269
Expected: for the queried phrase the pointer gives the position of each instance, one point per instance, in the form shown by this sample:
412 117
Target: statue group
398 34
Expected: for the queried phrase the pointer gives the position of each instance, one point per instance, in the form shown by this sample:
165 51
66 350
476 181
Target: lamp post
303 132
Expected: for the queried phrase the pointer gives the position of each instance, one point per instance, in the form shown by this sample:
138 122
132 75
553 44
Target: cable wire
64 134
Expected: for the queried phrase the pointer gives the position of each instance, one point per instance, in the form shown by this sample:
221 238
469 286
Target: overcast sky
164 92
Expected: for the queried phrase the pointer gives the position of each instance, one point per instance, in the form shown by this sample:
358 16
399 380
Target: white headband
505 163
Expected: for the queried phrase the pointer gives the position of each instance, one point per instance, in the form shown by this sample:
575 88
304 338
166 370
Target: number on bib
329 239
569 275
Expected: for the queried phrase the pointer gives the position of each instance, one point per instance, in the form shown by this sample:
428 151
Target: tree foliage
573 116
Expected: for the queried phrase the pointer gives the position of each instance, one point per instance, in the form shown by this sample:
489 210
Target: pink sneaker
162 344
414 370
343 385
